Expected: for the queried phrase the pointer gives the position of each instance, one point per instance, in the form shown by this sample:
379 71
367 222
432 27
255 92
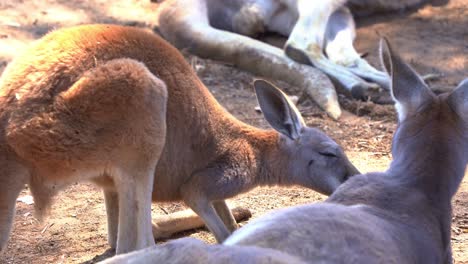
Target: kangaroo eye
328 154
311 162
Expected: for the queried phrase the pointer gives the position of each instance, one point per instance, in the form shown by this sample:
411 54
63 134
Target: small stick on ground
168 225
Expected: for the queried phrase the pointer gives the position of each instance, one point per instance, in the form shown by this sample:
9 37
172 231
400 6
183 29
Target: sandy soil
432 39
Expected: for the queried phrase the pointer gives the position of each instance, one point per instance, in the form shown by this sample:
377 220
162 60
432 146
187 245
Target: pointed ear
459 99
408 89
278 110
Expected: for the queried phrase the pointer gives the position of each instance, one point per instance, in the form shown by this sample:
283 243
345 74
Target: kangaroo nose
351 169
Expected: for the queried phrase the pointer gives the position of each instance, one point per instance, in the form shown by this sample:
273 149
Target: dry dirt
432 39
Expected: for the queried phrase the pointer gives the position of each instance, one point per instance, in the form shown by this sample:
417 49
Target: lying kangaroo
320 33
402 215
89 103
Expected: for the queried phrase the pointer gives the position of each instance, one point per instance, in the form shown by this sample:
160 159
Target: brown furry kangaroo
68 113
402 215
89 103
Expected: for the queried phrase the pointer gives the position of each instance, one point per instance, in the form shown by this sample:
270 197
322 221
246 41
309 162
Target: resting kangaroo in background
402 215
88 103
320 33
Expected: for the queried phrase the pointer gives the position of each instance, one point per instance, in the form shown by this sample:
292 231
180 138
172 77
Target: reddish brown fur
55 124
68 115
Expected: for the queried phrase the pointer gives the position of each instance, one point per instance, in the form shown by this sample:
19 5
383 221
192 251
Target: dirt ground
432 39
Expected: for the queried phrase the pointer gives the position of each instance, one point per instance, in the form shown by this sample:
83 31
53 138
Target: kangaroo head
432 133
312 158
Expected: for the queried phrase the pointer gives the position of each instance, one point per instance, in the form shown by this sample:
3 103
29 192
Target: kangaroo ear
278 110
408 89
459 99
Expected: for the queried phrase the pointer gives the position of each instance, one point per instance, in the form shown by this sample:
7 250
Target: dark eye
311 162
328 154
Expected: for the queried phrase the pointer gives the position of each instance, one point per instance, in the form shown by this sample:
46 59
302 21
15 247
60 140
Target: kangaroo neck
432 167
269 162
436 171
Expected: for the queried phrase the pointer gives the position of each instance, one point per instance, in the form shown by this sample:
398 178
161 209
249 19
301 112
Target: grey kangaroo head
427 122
312 158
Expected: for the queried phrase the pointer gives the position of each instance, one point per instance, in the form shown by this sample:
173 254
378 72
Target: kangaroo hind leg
123 105
12 180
